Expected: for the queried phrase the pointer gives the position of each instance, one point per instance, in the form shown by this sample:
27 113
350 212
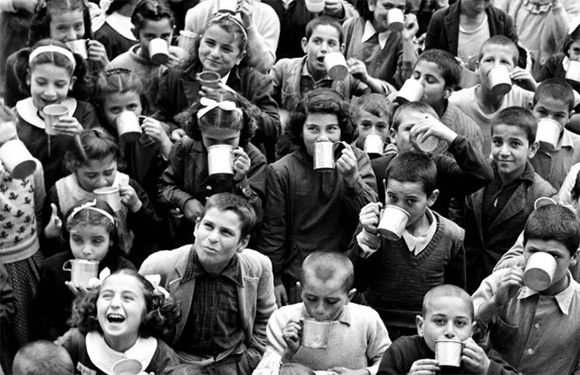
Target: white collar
417 244
29 113
104 357
121 24
370 31
224 79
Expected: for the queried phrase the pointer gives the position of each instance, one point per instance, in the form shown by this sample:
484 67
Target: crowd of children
289 187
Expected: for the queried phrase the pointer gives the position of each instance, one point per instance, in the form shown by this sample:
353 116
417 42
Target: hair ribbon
155 280
94 282
52 49
209 104
91 206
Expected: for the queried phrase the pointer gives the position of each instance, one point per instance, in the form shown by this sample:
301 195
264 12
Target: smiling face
380 9
324 300
49 84
409 196
429 75
324 39
493 55
97 173
118 102
219 51
320 127
550 108
511 150
67 26
153 30
90 242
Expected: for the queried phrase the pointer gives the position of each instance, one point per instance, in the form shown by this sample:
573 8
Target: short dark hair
326 265
416 107
413 167
373 103
554 223
519 117
239 205
575 193
42 17
557 89
153 10
324 20
42 358
569 39
447 290
321 101
447 63
501 40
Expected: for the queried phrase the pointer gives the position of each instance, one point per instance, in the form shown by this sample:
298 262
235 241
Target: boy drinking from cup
537 332
447 315
352 339
394 274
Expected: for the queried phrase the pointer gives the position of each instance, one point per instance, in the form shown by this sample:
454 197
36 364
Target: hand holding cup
242 164
129 198
474 358
369 217
347 166
431 127
68 125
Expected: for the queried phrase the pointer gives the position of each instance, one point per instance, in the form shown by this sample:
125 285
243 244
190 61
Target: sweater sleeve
497 365
263 39
364 268
364 190
377 341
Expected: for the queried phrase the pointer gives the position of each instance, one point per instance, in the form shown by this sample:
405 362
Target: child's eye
132 107
439 321
411 201
311 299
430 80
79 26
381 127
333 128
515 144
460 324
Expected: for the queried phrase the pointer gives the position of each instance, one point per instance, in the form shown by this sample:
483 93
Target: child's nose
449 331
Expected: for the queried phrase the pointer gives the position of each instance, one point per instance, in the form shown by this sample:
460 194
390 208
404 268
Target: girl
115 33
93 163
90 232
221 49
124 318
51 70
221 117
62 20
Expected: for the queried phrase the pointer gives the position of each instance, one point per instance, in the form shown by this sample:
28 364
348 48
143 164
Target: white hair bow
209 104
94 282
155 280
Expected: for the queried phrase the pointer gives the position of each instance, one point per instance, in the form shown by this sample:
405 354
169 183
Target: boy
217 271
42 358
373 114
479 102
496 214
395 274
537 332
554 99
447 314
358 337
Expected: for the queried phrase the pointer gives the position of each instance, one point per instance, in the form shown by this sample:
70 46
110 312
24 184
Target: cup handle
64 266
338 146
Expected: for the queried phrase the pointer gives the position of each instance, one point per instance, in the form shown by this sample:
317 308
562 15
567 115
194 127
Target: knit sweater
395 281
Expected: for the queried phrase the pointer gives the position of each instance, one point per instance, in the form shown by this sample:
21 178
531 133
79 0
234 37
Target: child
554 100
306 210
447 314
51 71
395 274
42 357
65 21
557 65
357 337
221 117
151 19
124 318
537 332
90 232
116 32
20 221
93 163
221 48
479 102
373 114
496 214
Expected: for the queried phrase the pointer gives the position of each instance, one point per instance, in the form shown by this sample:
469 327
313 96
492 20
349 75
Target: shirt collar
564 298
528 174
370 31
344 316
224 79
416 244
233 270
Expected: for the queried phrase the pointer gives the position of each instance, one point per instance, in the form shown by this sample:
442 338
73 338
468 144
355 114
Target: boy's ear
350 294
372 4
419 321
533 149
393 135
448 91
304 43
343 47
243 243
574 259
432 198
197 221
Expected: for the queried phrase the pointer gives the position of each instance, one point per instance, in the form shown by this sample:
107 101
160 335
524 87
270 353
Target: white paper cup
411 91
227 6
549 131
209 79
499 80
128 126
81 270
374 144
52 115
315 6
425 144
448 353
573 72
395 19
17 159
315 334
335 65
539 271
393 222
220 159
158 51
127 366
187 41
111 195
79 47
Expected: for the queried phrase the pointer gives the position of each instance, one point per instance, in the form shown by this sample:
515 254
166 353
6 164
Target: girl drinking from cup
89 233
221 49
51 71
220 118
124 318
93 162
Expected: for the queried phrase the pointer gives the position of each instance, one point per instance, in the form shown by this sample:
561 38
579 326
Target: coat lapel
515 205
182 292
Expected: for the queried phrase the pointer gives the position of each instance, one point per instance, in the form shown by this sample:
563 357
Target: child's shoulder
541 187
449 228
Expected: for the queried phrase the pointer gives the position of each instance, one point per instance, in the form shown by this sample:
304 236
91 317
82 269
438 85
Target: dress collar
370 31
121 24
564 298
29 113
104 357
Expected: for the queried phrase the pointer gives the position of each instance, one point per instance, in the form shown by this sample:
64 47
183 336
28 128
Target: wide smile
115 319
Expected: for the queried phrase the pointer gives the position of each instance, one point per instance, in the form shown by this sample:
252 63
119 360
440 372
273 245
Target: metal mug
325 155
52 114
393 222
128 126
220 159
315 334
448 352
82 270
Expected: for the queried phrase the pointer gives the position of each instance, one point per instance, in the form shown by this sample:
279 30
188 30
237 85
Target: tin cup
544 201
448 353
220 159
335 65
374 144
158 51
539 271
127 366
393 222
209 79
315 334
227 6
17 159
128 126
499 80
573 72
111 195
315 6
187 40
325 155
81 270
52 115
549 131
80 47
411 91
425 144
395 19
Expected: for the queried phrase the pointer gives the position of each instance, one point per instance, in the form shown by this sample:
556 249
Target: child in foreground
447 314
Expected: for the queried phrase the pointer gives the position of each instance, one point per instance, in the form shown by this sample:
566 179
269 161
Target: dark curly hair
40 23
217 117
321 101
92 144
161 315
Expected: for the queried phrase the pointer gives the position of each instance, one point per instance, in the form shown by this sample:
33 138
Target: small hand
154 129
509 284
192 209
347 166
77 290
176 57
411 27
424 367
129 198
430 126
242 164
474 358
245 9
177 134
292 335
52 229
358 69
281 295
369 217
525 77
67 125
334 8
98 53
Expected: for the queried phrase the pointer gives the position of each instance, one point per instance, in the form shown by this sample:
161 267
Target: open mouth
115 318
320 59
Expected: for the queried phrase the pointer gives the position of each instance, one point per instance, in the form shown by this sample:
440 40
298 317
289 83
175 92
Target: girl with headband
50 71
219 118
